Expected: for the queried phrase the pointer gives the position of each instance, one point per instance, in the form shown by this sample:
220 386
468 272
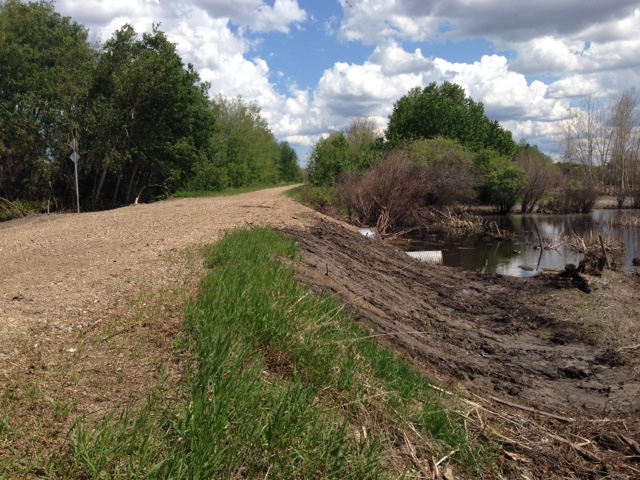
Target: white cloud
256 14
279 17
587 45
101 12
505 94
394 60
548 37
370 90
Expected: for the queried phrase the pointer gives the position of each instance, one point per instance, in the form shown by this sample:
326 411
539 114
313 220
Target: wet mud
492 336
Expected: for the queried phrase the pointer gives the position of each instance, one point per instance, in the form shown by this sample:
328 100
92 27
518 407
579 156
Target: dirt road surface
63 269
538 355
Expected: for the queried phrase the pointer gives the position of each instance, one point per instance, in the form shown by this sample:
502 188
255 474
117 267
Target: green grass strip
284 385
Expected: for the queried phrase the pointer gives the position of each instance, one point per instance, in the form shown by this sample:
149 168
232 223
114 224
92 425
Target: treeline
143 120
601 147
440 149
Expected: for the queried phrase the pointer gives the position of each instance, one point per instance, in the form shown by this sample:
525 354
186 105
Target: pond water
520 257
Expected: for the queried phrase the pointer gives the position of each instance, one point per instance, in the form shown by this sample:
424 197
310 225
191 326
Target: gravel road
64 268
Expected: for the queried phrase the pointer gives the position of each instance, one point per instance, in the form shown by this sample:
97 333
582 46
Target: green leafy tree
363 144
503 182
329 158
242 147
446 111
289 168
356 149
150 119
45 64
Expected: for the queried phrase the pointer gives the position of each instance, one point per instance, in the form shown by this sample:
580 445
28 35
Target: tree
329 158
503 182
289 170
242 147
585 140
604 139
446 111
363 144
45 63
149 119
543 176
624 125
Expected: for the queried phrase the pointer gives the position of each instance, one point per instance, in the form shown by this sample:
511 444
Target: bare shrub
577 197
544 177
387 196
594 260
450 179
626 219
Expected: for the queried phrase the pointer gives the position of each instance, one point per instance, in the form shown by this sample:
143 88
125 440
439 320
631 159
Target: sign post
75 157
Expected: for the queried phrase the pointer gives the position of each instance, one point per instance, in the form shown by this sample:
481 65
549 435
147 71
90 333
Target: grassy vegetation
17 209
226 191
316 197
283 385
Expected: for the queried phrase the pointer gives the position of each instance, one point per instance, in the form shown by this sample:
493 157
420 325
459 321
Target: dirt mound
498 338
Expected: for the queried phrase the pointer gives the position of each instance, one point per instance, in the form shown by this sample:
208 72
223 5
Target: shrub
504 183
449 172
387 196
209 178
318 198
577 197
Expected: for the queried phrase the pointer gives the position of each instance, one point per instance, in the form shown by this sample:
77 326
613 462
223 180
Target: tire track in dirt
488 332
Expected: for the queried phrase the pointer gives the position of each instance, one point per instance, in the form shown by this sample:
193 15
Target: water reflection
522 257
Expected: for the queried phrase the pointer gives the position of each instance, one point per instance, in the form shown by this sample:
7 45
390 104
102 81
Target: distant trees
144 121
243 148
289 168
604 139
458 154
439 145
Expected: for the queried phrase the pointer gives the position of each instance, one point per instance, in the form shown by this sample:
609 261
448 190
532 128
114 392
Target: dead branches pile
598 251
545 444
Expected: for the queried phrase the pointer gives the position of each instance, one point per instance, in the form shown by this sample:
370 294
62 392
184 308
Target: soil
553 356
552 372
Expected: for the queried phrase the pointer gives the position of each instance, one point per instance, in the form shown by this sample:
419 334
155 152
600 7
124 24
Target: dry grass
591 247
57 376
626 219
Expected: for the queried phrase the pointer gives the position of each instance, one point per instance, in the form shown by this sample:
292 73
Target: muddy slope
489 333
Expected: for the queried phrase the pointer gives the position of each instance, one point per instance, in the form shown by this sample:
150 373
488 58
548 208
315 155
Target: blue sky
313 65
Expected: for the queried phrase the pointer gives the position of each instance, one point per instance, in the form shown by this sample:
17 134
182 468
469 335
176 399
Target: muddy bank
504 339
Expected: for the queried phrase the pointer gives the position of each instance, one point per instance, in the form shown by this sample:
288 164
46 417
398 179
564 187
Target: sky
314 65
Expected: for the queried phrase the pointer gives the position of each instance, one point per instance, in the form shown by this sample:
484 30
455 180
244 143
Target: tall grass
284 385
